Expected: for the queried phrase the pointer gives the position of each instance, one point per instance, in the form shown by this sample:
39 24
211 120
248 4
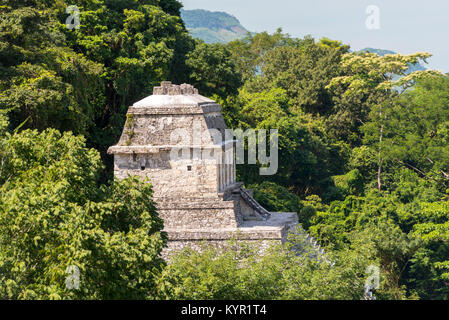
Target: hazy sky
406 26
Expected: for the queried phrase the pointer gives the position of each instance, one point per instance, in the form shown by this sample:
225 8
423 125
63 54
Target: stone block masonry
198 199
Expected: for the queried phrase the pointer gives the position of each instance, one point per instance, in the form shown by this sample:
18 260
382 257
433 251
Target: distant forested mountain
213 27
221 27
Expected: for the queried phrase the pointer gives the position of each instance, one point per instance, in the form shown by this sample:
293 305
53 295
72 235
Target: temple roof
172 95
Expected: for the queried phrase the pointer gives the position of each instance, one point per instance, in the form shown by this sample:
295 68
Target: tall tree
372 81
212 70
62 235
415 129
304 71
249 52
139 44
40 79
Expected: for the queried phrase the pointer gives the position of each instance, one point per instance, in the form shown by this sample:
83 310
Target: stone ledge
279 219
275 228
276 233
176 109
159 149
192 203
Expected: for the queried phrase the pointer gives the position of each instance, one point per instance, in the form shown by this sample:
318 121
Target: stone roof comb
167 88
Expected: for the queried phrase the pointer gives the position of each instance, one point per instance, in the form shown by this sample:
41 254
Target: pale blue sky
406 26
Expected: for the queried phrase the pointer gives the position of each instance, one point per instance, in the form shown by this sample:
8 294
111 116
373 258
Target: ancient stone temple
165 138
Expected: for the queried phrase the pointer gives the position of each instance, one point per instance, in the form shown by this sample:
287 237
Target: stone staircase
261 211
313 249
309 246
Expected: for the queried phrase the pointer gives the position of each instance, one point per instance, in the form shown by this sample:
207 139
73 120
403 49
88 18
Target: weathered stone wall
165 139
246 211
143 129
170 178
151 138
188 214
264 233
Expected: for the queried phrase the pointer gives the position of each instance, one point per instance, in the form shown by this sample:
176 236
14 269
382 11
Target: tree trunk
380 160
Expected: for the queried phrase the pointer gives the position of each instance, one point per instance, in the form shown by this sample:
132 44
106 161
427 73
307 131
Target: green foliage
311 205
398 230
138 44
350 183
3 124
304 71
307 155
275 198
53 215
392 249
249 52
364 159
41 79
380 52
429 272
368 80
212 70
363 141
279 94
414 130
240 272
263 107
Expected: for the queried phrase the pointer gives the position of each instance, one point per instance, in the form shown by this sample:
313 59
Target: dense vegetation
363 149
